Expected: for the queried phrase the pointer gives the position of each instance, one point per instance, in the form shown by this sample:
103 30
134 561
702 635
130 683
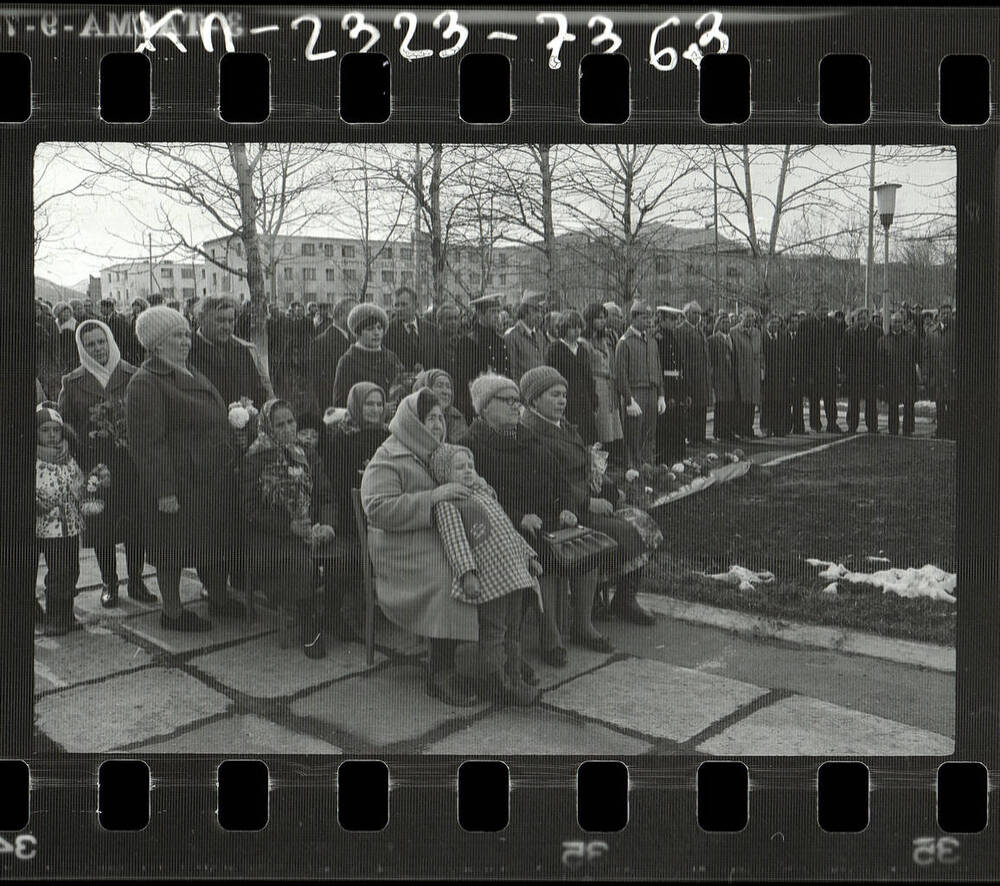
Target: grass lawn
874 496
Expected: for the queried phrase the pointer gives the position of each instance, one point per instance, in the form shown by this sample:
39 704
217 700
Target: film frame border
904 89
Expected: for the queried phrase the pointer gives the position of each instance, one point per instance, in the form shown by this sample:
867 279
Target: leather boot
109 595
625 605
516 691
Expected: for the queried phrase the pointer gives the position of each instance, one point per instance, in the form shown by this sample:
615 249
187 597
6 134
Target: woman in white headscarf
92 403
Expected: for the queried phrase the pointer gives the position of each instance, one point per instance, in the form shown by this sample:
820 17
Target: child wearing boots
58 520
492 566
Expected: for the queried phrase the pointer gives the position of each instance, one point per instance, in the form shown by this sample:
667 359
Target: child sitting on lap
492 566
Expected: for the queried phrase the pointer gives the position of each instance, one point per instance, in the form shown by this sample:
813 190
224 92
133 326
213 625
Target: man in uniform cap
640 381
525 340
670 446
482 350
696 371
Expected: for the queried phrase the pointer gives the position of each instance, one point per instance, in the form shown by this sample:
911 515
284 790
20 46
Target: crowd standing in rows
466 437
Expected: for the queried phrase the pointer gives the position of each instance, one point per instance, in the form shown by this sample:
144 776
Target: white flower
712 457
631 475
239 417
678 468
92 508
672 477
295 472
92 484
649 490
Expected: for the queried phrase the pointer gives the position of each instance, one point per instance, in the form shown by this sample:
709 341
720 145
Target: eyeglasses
509 401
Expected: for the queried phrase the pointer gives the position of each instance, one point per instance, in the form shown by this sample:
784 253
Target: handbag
579 550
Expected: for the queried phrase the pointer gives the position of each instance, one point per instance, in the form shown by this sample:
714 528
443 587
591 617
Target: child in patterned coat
492 565
58 519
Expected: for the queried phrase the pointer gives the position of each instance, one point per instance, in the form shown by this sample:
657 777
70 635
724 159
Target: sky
107 220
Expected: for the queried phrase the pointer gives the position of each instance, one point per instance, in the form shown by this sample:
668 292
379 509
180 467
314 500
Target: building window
503 279
168 291
188 292
350 275
289 273
347 252
213 252
388 276
308 248
663 264
328 250
308 273
227 284
331 296
330 276
167 273
387 253
732 271
286 248
501 260
187 273
406 277
405 253
215 280
239 248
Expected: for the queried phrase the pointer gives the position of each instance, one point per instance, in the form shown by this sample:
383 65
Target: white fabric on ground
928 581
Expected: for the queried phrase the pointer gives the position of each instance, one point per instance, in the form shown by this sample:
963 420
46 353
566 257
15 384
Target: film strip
725 158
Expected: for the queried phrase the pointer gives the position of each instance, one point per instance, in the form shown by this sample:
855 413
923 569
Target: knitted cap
156 323
487 386
537 381
364 315
46 412
442 458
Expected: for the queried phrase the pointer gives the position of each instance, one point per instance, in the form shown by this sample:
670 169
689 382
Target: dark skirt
123 518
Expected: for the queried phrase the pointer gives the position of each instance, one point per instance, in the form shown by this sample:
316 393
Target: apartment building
126 281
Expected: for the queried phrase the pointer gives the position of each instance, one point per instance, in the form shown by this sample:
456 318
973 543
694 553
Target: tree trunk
548 226
437 242
628 257
248 232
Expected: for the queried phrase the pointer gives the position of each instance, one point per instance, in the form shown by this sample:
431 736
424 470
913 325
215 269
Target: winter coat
749 363
942 370
859 356
898 356
637 364
58 491
180 440
358 364
818 349
607 418
345 454
581 389
525 349
412 349
481 350
777 386
123 332
122 501
413 577
724 378
48 354
696 366
670 363
325 352
231 368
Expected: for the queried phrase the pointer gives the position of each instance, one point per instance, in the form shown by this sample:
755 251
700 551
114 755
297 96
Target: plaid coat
497 552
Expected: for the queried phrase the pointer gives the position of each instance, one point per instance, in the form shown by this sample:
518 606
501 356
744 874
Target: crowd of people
469 438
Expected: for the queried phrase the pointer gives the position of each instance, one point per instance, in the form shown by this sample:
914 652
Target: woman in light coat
413 577
749 346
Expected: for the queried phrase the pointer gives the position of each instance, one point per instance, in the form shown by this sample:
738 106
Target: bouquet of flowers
287 485
599 467
98 479
241 413
108 419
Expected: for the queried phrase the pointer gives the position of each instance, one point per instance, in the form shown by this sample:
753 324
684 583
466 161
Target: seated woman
544 392
346 448
441 383
413 577
366 359
493 569
289 512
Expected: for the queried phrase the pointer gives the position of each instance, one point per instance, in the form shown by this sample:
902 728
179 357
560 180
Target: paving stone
469 664
122 710
807 726
244 734
84 655
654 698
224 629
536 731
263 669
381 708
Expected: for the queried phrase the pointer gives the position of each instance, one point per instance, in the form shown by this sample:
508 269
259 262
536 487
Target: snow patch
927 581
741 576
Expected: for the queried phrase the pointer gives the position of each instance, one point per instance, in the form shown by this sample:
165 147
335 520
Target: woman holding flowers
290 515
92 403
182 445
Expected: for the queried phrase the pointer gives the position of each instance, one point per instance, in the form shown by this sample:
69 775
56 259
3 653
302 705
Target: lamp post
885 194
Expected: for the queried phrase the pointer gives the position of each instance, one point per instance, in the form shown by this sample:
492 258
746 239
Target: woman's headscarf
266 438
356 397
410 431
427 378
718 323
101 373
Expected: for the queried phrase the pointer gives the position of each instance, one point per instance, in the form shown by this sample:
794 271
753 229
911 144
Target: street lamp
885 194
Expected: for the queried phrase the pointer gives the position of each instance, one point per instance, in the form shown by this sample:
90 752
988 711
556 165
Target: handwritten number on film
23 847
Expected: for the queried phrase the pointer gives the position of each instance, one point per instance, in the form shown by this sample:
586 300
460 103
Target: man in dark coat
325 352
122 332
670 445
860 364
448 317
798 390
696 371
776 413
482 350
942 384
899 373
818 347
639 379
409 337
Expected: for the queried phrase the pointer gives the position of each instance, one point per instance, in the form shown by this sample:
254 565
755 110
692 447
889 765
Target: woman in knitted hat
182 445
442 384
92 403
366 359
544 392
346 447
413 577
58 520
